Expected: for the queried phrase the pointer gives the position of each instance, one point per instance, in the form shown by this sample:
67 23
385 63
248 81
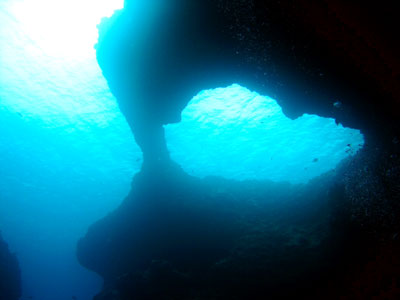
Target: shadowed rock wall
179 237
10 280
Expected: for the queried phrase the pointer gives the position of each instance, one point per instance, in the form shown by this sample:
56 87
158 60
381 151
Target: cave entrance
238 134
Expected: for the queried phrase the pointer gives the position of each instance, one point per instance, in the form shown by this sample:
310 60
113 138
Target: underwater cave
203 149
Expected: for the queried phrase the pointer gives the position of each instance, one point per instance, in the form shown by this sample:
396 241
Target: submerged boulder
10 277
180 237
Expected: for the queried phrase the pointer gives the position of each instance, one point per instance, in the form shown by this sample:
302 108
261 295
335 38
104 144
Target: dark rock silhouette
10 278
178 237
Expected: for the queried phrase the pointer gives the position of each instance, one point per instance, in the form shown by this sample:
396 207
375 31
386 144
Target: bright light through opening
63 28
238 134
48 61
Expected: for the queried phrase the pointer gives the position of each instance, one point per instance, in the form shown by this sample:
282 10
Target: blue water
238 134
67 155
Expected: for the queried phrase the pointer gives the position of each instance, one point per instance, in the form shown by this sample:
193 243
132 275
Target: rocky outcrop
10 279
178 237
307 55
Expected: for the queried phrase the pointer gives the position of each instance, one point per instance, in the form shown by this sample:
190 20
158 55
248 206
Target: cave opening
238 134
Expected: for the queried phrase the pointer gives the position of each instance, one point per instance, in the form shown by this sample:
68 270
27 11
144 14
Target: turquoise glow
238 134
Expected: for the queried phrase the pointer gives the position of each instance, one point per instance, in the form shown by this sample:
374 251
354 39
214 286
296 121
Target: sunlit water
67 155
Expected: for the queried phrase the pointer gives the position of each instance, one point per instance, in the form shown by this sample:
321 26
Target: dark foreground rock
178 237
10 279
